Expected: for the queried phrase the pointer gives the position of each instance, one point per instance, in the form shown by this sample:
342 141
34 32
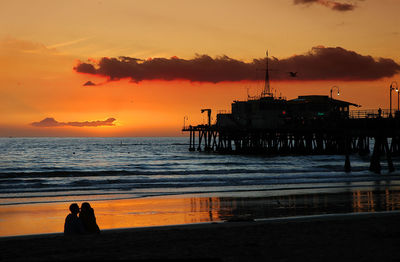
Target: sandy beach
356 237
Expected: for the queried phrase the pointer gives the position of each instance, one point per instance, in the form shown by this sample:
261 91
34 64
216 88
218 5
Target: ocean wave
159 171
129 184
31 198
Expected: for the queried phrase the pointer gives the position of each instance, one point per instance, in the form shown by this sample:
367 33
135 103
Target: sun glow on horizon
158 108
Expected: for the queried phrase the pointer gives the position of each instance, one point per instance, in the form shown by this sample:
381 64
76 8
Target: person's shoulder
71 217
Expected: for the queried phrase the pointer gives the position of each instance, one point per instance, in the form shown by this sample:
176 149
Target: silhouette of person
73 224
88 219
379 112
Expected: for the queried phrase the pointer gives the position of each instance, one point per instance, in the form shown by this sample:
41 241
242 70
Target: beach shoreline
362 236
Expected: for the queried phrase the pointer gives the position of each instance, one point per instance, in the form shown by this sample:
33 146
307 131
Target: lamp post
333 87
397 90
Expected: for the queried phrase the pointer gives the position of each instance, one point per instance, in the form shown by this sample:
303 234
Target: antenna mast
267 89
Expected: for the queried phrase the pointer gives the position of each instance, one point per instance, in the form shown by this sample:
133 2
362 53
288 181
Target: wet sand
42 218
356 237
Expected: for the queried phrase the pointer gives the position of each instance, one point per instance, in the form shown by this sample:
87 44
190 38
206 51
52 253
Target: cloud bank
334 5
320 63
51 122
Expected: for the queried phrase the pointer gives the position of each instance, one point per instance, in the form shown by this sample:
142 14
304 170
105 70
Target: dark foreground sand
365 237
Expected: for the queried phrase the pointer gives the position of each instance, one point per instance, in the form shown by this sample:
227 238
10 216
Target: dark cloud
321 63
87 68
342 7
334 5
51 122
330 63
89 83
47 122
305 1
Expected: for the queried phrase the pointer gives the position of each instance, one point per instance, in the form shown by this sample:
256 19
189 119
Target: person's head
85 206
74 208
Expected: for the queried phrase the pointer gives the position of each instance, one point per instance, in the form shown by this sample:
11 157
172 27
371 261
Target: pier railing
366 113
224 112
373 113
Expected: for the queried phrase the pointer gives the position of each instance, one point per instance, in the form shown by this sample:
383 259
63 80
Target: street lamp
333 87
397 90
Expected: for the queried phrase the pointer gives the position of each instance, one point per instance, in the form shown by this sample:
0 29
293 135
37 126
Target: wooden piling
375 163
388 156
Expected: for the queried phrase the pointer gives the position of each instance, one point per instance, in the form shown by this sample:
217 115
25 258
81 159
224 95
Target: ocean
40 171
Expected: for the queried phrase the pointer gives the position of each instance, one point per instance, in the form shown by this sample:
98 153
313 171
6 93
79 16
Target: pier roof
321 99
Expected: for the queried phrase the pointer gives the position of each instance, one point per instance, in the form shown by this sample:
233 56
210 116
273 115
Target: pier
341 136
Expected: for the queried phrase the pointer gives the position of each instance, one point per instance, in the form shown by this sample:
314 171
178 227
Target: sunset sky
137 68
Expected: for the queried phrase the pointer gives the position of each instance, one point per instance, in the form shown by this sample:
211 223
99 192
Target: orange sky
41 42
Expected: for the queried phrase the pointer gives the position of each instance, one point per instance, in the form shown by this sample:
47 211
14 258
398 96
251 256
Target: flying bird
293 74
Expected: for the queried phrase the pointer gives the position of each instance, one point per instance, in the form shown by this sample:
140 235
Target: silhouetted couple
84 224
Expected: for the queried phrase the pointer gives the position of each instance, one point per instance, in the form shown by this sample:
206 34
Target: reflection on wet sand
371 201
158 211
309 204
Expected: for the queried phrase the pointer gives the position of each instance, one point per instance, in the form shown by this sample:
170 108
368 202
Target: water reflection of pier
245 208
371 201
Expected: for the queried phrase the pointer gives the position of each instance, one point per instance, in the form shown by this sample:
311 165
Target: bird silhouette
293 74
